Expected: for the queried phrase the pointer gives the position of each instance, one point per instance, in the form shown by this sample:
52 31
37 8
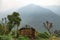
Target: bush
23 38
43 35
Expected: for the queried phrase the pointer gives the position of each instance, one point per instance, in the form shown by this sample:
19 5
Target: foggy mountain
34 16
55 9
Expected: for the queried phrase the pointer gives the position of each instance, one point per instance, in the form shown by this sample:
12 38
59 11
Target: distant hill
55 9
35 15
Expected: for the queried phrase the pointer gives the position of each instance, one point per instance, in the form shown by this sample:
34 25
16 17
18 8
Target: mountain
35 16
55 9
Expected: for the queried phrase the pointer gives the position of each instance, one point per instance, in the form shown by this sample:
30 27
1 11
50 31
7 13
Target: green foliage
1 29
4 37
10 26
15 14
23 38
0 26
13 19
57 33
43 35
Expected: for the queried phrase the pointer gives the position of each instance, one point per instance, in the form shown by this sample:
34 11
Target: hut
27 31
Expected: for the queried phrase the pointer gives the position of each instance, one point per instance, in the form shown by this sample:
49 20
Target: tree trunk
17 32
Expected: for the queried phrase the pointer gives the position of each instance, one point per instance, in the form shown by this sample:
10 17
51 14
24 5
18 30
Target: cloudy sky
9 4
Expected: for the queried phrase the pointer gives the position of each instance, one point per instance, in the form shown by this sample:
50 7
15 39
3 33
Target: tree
4 25
48 26
14 19
0 28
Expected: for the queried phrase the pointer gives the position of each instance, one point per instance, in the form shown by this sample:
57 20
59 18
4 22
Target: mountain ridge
55 9
35 16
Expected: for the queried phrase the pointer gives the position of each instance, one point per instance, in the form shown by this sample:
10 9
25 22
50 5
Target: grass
9 37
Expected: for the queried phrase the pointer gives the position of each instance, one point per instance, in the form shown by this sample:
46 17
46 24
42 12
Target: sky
9 4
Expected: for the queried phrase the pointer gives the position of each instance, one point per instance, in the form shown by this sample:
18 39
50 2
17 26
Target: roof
27 27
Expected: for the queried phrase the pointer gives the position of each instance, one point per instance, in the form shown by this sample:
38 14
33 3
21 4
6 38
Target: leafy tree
14 19
48 26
